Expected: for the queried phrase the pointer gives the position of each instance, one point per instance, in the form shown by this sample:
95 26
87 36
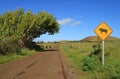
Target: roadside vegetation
86 58
26 52
12 57
19 28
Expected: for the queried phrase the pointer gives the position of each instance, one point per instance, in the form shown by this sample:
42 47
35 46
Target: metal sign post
103 31
103 53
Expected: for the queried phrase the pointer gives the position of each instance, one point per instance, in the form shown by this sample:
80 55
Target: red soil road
43 65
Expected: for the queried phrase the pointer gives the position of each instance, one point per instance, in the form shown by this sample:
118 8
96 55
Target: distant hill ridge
95 38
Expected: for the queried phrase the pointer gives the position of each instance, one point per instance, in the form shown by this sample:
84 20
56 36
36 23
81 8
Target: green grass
27 52
77 54
8 58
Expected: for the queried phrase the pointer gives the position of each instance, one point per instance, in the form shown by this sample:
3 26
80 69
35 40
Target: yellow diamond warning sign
103 31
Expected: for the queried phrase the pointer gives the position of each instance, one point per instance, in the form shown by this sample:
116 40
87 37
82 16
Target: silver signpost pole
103 53
103 31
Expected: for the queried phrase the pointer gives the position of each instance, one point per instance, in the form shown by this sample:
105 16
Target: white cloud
69 21
65 21
76 23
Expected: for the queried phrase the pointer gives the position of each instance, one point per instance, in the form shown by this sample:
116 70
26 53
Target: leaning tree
24 26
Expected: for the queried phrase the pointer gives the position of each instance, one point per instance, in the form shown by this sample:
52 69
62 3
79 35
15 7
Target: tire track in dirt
46 65
18 67
22 72
63 68
29 66
70 71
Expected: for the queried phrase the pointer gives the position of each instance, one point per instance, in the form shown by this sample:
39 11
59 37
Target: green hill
95 38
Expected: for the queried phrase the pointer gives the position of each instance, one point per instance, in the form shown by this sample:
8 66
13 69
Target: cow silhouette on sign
103 30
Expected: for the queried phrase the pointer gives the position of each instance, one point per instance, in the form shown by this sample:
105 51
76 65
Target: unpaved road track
43 65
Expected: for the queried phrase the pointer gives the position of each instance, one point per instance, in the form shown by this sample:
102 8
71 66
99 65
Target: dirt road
43 65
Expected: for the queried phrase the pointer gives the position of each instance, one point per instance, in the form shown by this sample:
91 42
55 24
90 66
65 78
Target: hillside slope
95 38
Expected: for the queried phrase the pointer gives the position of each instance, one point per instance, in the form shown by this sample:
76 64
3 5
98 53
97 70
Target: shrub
9 46
27 52
90 63
116 72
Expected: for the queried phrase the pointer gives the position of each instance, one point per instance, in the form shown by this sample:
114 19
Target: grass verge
8 58
77 54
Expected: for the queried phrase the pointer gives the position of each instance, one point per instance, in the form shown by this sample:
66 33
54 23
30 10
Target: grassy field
90 66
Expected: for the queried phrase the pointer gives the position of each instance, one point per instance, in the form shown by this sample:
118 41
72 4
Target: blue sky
77 18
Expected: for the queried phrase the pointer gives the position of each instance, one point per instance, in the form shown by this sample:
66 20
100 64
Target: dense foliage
19 28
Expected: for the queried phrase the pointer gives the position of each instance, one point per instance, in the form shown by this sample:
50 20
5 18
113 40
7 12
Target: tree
35 25
24 26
